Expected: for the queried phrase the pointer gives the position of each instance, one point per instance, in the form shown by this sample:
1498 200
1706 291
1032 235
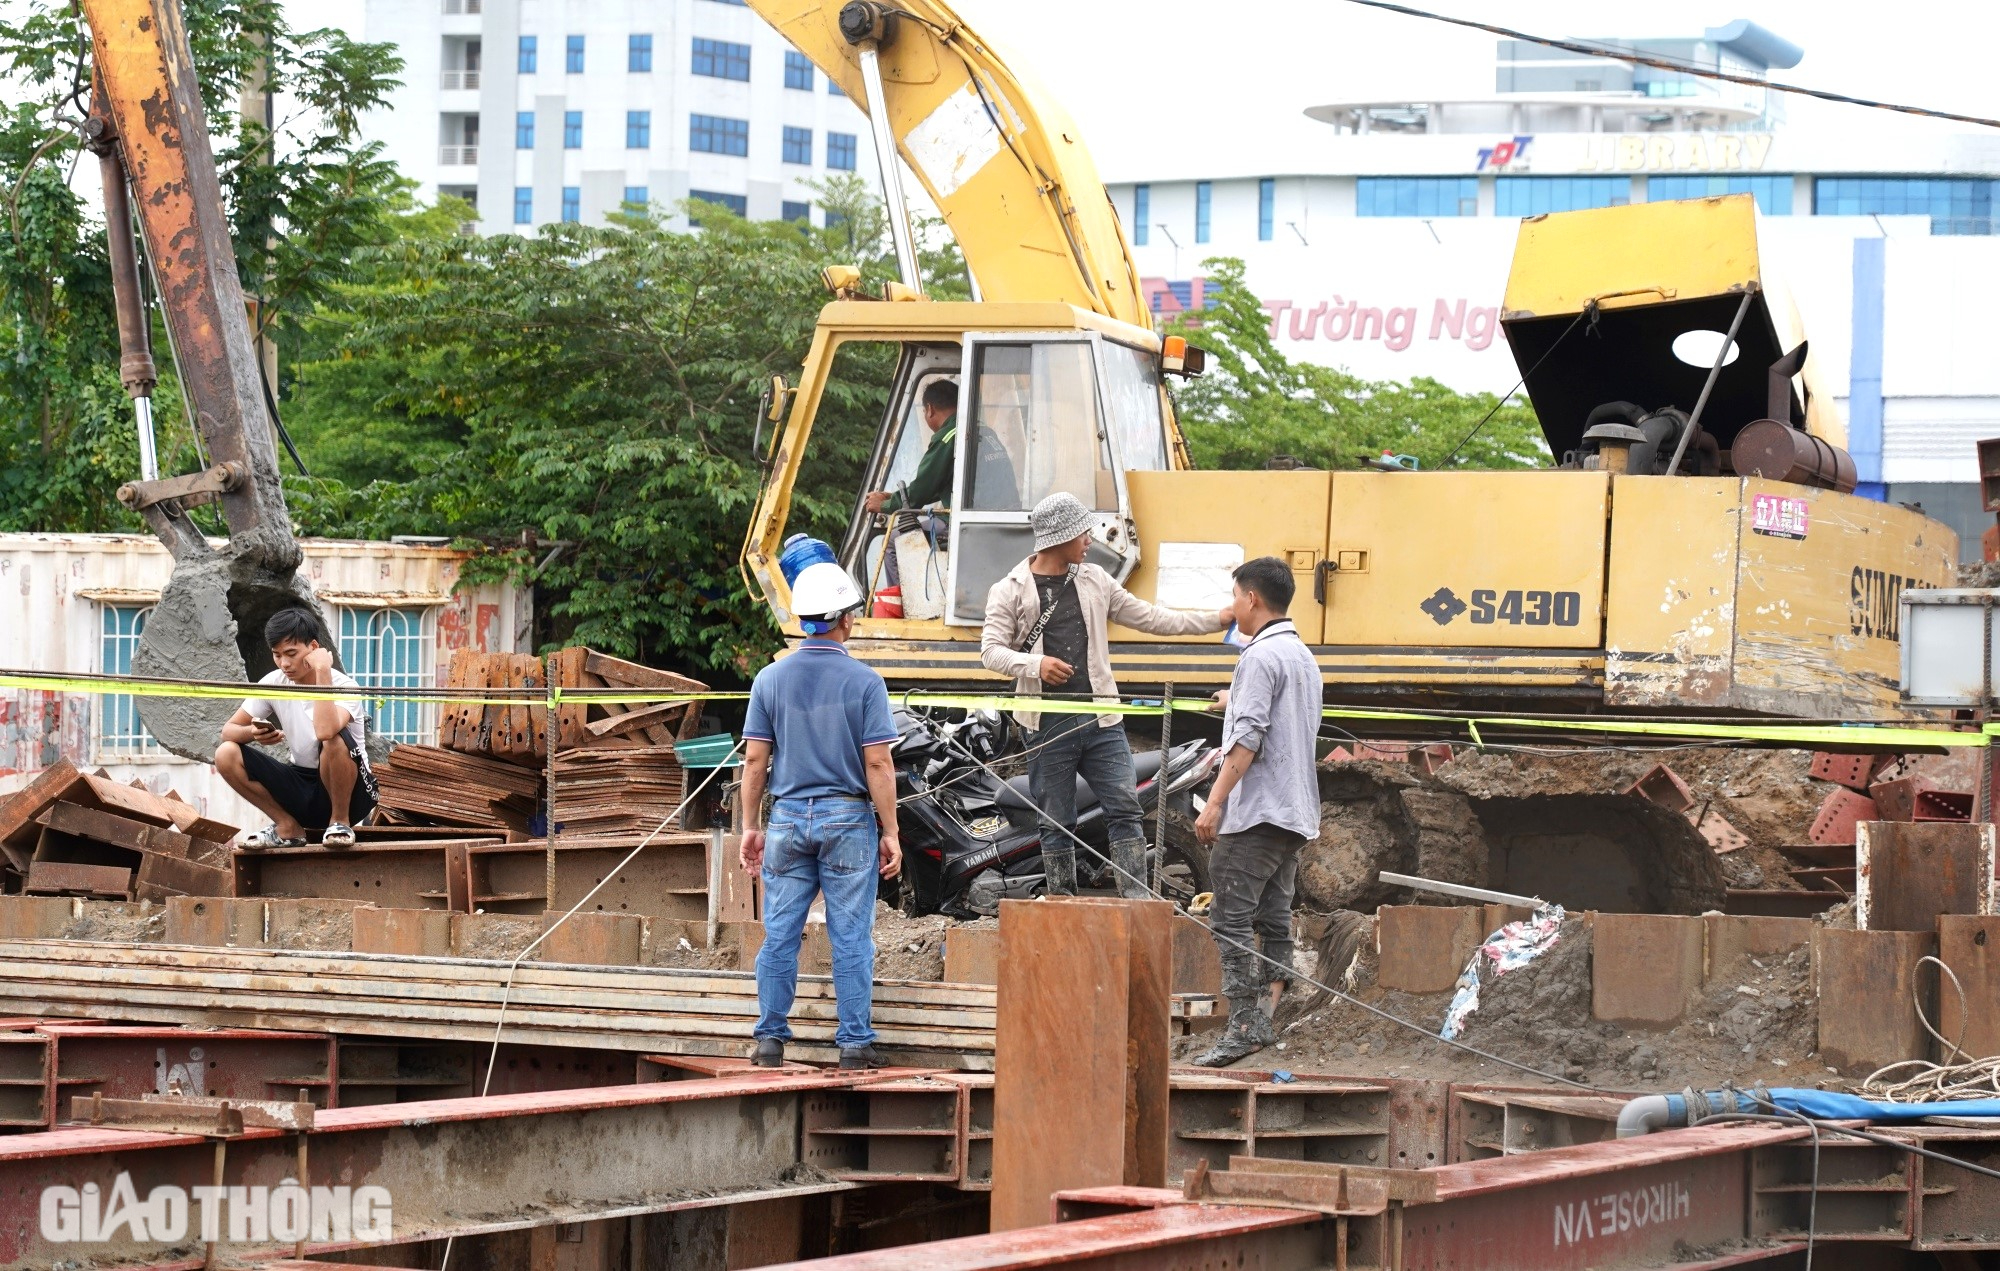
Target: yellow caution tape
1807 736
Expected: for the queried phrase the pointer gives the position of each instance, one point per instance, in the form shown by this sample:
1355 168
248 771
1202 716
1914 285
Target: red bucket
888 603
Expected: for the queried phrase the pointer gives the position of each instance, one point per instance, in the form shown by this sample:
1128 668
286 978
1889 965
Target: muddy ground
1756 1020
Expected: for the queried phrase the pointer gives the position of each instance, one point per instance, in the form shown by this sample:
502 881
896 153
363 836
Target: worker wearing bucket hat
817 736
1047 627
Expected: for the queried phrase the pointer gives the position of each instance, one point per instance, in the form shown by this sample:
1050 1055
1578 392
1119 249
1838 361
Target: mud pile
1756 1020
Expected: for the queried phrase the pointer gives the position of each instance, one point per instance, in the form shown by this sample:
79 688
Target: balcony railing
451 81
458 156
460 6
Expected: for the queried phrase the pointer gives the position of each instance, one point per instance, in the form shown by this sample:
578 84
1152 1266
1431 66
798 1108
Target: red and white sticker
1778 516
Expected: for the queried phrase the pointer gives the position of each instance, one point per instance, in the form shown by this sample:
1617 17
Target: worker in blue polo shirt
818 735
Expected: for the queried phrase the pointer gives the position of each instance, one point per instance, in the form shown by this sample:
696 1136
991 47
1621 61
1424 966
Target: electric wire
507 990
1292 973
1785 1116
1589 310
1637 58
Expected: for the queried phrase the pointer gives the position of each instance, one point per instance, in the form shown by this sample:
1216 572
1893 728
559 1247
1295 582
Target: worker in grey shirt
1263 809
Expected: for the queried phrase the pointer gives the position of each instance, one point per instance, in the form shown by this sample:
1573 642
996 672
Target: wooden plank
63 878
121 831
625 674
565 667
630 721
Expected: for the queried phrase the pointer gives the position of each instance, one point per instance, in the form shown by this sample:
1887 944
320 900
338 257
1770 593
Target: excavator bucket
147 127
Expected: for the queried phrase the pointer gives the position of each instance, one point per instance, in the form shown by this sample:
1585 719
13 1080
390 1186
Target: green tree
595 387
1255 403
300 204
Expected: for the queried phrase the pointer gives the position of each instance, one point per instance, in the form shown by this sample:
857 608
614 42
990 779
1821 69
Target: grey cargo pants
1254 874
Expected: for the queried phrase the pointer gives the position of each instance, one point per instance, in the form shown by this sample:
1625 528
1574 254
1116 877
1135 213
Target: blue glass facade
1416 196
1956 205
1532 196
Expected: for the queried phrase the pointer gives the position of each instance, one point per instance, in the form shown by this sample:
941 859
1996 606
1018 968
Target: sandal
338 834
269 837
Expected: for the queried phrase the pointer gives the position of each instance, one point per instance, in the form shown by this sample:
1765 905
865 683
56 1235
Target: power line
1668 64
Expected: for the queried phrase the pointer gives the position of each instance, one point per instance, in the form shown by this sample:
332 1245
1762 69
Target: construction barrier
1810 735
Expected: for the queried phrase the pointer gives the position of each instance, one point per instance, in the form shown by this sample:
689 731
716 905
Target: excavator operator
932 482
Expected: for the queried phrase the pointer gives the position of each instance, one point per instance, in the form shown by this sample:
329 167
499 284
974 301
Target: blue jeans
814 846
1103 758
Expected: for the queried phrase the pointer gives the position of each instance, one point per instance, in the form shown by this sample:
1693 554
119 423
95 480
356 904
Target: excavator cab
1037 413
1057 399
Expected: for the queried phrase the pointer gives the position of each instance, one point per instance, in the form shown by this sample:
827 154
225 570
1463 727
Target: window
736 2
639 53
1039 403
713 134
572 208
1774 194
798 70
638 130
637 194
1142 215
573 55
798 145
840 151
1531 196
736 203
1132 391
1956 205
524 205
390 649
833 89
524 130
1416 196
119 731
1201 211
721 60
572 130
1267 207
801 212
524 56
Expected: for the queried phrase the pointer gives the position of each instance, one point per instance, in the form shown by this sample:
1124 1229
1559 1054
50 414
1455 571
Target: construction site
1650 923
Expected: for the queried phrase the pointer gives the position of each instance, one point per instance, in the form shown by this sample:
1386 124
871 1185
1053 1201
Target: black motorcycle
971 840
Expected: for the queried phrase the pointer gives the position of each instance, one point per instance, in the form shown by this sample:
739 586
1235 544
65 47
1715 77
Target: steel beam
1631 1203
450 1166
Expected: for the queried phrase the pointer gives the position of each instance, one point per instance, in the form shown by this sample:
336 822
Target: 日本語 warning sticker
1778 516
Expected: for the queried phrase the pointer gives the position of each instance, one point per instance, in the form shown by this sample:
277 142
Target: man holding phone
327 786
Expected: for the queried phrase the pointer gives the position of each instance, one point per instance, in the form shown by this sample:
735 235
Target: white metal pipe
892 176
149 457
1459 889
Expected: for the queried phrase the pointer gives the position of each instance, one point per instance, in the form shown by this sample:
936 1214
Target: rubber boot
1128 858
1249 1031
1059 872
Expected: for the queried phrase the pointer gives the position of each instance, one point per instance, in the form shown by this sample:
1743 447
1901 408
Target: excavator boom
1004 163
147 127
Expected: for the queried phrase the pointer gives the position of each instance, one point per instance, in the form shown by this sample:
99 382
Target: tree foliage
1255 403
583 401
302 198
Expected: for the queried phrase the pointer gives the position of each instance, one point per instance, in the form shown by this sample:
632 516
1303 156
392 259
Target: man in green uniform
932 482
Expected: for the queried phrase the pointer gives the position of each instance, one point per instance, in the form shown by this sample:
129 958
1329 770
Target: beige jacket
1013 606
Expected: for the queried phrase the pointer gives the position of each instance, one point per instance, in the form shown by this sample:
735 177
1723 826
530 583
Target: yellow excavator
1695 551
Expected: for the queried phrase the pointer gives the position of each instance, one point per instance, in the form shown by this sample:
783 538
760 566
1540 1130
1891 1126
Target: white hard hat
824 590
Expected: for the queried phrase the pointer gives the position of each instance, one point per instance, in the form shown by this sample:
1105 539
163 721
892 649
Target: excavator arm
148 130
1002 161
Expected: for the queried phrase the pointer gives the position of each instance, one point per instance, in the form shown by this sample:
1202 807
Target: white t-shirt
295 717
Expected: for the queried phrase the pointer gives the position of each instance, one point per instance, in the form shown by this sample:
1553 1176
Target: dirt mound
1557 830
1755 1021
